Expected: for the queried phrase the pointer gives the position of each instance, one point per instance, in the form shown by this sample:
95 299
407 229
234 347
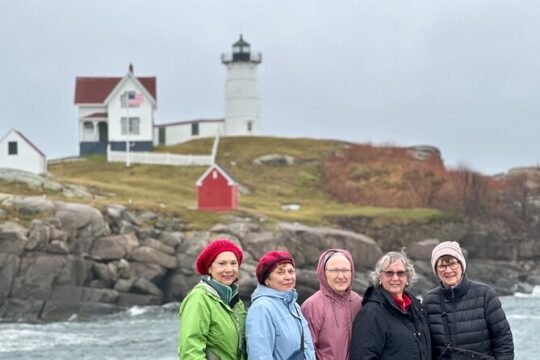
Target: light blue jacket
273 326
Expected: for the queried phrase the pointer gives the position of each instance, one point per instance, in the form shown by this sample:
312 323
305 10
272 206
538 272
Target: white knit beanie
451 248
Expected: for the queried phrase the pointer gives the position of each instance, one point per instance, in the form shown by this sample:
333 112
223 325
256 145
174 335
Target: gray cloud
460 75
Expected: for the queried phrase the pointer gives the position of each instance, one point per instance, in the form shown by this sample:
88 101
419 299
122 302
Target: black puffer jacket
476 320
383 331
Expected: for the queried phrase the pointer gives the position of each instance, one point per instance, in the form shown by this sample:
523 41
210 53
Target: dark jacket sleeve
367 335
502 343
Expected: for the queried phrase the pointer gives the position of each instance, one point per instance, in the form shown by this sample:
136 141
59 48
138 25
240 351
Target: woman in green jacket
212 316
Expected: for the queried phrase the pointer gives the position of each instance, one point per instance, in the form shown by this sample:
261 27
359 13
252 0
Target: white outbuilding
17 152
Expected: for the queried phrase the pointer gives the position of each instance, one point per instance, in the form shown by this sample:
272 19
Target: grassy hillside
172 190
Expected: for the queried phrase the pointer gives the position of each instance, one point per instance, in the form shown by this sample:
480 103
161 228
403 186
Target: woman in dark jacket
391 324
464 313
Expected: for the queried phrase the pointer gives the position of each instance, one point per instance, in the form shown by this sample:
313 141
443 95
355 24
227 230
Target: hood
373 293
264 291
321 273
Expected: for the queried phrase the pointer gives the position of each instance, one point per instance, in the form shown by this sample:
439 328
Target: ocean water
152 332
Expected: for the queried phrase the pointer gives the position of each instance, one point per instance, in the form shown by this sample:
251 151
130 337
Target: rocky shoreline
75 261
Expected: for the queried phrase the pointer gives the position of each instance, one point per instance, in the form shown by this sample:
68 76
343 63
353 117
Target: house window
195 129
250 126
12 148
88 127
134 126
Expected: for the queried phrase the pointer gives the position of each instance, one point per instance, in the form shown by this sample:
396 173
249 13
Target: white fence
162 158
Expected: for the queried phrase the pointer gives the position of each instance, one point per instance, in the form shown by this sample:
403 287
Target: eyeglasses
390 274
337 271
452 265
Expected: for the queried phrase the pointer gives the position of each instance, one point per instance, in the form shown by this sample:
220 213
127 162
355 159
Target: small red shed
217 190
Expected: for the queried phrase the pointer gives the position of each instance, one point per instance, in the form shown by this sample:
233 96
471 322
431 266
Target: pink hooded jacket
331 316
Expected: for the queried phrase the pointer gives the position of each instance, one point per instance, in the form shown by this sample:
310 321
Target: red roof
96 115
94 90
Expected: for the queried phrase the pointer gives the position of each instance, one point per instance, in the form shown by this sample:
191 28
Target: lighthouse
242 102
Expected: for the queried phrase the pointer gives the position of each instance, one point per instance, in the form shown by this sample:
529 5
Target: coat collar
457 291
380 295
265 291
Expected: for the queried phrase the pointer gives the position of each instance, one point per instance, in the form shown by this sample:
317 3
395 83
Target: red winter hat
212 250
269 261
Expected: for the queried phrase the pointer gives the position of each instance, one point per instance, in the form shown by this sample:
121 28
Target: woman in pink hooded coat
330 312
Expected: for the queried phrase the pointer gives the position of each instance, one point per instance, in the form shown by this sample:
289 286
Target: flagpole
127 130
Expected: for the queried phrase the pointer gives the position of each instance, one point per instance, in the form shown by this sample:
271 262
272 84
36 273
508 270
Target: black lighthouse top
241 50
241 53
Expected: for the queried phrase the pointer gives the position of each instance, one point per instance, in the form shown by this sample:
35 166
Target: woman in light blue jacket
275 326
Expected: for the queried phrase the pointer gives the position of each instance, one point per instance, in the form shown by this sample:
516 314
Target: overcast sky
461 75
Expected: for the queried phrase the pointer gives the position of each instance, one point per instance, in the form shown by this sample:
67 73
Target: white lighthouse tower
242 101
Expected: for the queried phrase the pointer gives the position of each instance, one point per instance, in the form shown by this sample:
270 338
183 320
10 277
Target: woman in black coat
463 313
391 324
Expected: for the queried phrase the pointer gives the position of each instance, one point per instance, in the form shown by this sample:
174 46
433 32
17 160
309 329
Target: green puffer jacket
209 328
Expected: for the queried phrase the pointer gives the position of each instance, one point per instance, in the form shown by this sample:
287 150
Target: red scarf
402 303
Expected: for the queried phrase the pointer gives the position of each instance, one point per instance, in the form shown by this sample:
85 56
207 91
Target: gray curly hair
387 260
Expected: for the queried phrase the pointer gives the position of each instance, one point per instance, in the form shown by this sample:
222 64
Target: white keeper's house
121 111
116 111
17 152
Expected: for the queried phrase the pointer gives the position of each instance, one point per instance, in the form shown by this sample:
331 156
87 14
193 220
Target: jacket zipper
454 327
237 322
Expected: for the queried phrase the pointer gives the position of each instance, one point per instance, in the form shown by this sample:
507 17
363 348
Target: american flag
134 99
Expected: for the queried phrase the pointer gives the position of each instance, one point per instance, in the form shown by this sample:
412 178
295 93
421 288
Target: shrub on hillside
384 176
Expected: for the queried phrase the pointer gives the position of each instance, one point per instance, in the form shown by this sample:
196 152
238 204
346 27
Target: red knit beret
269 261
212 250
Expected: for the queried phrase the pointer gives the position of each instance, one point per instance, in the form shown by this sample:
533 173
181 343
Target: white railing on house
163 158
